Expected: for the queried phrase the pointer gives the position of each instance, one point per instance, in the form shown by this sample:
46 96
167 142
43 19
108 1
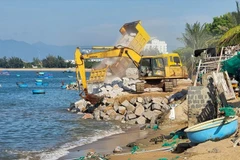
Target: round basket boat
38 91
215 129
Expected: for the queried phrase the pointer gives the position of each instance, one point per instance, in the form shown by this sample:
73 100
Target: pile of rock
114 87
139 110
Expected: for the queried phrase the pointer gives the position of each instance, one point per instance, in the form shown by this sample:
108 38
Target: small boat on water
18 75
64 86
215 129
38 80
23 85
17 83
38 91
4 73
70 76
38 83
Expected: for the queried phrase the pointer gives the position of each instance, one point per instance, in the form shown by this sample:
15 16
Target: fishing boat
4 73
17 83
23 85
215 129
38 80
18 75
38 91
38 83
70 76
64 86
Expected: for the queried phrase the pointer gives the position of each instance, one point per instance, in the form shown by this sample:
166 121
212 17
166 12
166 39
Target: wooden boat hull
38 91
213 130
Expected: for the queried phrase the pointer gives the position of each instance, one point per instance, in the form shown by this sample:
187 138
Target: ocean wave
63 150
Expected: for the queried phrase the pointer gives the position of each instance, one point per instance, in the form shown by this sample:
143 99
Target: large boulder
87 116
133 101
131 116
139 109
121 110
96 114
141 120
156 106
157 100
148 114
81 105
119 117
147 100
125 103
140 99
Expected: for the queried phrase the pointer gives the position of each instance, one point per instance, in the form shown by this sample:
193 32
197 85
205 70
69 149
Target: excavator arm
134 38
116 52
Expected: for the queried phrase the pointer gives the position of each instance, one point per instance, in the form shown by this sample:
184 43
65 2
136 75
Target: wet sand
107 145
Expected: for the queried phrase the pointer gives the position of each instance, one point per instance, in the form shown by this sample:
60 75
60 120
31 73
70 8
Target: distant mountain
26 51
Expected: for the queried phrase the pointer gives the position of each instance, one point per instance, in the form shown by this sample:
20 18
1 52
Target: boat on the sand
214 130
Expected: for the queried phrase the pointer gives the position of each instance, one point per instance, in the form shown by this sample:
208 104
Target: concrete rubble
139 110
136 110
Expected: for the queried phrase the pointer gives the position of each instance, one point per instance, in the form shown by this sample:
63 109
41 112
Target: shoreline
42 69
107 144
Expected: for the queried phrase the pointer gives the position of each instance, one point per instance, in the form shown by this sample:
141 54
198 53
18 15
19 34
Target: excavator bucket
97 75
134 36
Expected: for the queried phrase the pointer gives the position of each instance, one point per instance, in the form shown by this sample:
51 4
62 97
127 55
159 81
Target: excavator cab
151 67
164 66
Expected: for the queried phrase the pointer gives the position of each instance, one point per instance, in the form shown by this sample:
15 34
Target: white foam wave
63 150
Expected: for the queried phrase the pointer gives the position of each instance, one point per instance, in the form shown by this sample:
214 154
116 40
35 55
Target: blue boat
38 80
64 86
18 75
38 91
38 83
213 130
23 85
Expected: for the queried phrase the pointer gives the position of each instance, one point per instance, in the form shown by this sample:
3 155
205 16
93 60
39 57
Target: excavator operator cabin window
158 63
176 60
158 67
145 67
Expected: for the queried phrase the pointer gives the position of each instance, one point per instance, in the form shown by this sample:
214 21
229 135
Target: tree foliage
221 24
15 62
195 36
231 37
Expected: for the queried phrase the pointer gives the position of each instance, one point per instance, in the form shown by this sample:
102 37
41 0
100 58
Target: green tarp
232 65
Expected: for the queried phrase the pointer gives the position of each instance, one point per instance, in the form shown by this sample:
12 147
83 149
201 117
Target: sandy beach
149 150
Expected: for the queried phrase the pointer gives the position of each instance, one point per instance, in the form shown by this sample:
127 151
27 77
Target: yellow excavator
158 71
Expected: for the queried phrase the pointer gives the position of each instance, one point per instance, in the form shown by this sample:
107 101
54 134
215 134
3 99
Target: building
71 61
154 43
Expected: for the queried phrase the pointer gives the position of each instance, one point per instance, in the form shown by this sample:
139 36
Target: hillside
26 51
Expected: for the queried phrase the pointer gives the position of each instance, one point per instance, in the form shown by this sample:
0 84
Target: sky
97 22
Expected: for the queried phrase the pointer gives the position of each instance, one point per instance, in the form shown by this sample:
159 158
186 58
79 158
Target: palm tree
231 37
195 36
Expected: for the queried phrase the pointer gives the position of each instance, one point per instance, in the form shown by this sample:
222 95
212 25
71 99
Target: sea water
39 126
